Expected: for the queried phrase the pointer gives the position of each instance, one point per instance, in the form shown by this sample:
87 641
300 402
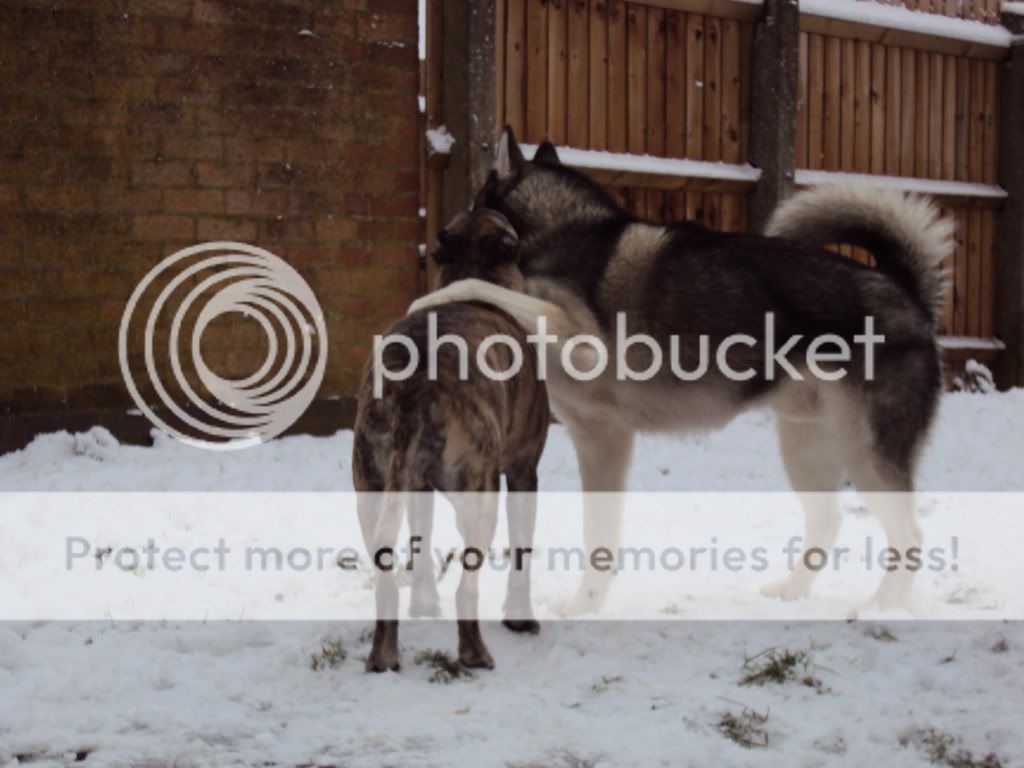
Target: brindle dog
455 434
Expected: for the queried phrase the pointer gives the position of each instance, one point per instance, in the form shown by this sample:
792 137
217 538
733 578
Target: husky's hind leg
900 406
521 505
604 452
814 468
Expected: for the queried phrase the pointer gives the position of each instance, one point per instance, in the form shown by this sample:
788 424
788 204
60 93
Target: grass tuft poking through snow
746 728
332 654
938 748
780 666
446 669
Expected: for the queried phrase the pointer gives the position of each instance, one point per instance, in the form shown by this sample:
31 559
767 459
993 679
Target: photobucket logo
200 284
640 357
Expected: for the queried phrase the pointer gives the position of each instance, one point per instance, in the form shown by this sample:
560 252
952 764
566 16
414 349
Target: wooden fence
673 79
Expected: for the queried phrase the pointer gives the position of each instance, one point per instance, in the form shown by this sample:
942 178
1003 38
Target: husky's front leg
604 453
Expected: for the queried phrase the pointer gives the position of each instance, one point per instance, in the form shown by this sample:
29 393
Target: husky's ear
508 159
546 153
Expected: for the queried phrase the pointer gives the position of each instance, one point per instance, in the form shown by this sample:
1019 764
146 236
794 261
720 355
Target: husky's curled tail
906 233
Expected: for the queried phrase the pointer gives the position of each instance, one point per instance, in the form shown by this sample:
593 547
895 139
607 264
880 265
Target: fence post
469 108
775 64
1009 245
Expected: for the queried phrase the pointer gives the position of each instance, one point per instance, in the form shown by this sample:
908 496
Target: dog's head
480 243
541 195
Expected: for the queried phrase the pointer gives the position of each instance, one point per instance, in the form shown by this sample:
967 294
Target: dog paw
788 588
476 657
523 626
425 609
382 661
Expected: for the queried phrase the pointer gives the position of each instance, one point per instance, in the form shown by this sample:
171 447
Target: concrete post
469 93
775 63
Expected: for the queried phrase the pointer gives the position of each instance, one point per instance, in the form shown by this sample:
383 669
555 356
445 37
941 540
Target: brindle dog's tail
906 233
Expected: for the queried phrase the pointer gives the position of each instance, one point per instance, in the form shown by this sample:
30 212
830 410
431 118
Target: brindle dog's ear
546 153
508 158
499 246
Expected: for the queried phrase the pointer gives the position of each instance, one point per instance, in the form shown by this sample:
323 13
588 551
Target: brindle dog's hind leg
477 519
521 508
380 517
425 602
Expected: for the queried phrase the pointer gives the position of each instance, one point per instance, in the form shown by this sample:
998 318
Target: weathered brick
227 229
194 201
162 227
135 129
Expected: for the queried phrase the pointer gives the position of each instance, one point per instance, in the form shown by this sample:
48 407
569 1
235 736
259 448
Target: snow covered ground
614 693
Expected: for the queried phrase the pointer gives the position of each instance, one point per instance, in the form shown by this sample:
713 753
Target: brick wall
133 128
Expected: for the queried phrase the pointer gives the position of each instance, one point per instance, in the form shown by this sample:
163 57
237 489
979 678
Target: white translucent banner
691 556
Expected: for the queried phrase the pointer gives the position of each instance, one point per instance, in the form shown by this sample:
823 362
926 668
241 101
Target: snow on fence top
649 165
900 18
906 183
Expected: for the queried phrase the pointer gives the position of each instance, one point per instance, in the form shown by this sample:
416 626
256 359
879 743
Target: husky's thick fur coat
587 260
455 435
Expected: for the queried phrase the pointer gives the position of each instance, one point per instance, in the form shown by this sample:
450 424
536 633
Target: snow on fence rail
656 172
948 190
896 25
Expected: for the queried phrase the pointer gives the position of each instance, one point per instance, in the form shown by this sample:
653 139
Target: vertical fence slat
578 83
675 103
833 86
990 161
636 95
730 126
935 113
963 95
878 117
536 70
960 275
974 264
694 102
921 111
949 266
712 111
558 18
908 124
893 105
746 81
987 303
862 109
847 104
675 84
655 131
617 76
949 118
598 82
976 130
816 103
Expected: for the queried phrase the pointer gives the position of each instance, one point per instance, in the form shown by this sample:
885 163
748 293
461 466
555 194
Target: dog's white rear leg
604 453
814 468
424 600
891 500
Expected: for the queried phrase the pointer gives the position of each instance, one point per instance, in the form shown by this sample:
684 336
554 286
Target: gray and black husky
589 264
